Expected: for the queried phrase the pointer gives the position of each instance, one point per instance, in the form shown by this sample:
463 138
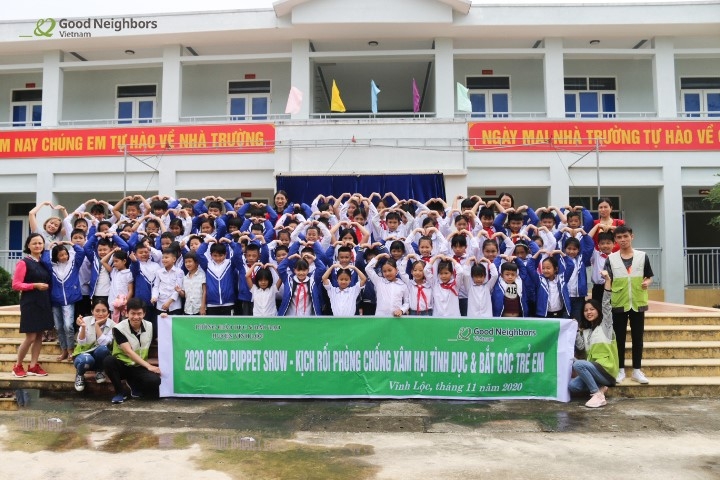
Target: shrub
7 295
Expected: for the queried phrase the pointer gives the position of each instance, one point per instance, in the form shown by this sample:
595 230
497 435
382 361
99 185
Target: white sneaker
100 377
639 376
597 400
79 383
620 376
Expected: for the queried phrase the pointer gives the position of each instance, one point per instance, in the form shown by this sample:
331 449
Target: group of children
342 256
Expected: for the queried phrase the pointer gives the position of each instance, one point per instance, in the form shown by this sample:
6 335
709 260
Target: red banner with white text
613 135
147 140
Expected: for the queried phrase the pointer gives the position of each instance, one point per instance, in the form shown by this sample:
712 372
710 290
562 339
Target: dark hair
104 223
490 242
424 238
458 241
428 221
135 303
445 265
79 220
170 251
548 215
140 245
584 323
215 204
515 217
478 270
573 215
97 208
553 261
176 222
26 248
606 236
302 265
351 232
344 249
123 257
344 271
234 222
313 227
209 221
506 194
360 211
391 261
99 301
284 194
460 218
467 203
219 248
486 212
159 205
397 245
523 244
167 235
56 251
153 221
191 256
78 231
572 241
393 216
281 248
508 267
436 206
605 200
132 204
622 229
263 274
252 247
256 211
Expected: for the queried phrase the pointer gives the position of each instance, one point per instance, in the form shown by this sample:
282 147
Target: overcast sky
33 9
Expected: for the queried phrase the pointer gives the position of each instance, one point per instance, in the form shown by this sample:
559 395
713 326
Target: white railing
9 258
702 267
270 117
108 122
654 254
370 115
609 115
697 114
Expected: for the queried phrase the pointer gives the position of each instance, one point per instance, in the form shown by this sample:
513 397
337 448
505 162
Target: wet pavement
222 438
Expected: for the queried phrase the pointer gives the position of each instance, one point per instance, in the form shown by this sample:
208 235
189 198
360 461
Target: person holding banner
596 337
131 343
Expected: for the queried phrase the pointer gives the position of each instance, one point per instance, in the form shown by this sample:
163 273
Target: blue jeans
64 324
588 378
89 361
576 307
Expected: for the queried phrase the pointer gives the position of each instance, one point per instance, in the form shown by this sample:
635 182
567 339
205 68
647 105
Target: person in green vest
131 343
631 276
596 338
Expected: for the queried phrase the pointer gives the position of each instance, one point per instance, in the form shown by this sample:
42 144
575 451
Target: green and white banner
365 357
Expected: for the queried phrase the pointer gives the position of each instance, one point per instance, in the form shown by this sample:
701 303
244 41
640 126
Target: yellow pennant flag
336 103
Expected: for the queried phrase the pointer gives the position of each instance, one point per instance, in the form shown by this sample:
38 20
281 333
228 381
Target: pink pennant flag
294 101
416 97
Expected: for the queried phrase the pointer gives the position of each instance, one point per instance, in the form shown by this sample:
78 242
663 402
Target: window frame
135 101
29 106
488 92
600 113
703 112
249 114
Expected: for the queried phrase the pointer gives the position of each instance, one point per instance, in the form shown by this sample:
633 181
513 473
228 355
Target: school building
566 102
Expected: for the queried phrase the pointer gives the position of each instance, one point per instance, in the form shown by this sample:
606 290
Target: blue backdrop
420 187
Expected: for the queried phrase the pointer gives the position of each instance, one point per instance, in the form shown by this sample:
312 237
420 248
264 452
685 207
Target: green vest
627 291
90 336
141 346
603 353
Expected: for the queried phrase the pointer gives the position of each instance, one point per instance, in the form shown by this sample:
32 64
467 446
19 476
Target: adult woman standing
605 220
32 279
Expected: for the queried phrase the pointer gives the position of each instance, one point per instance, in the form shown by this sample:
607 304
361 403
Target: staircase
681 358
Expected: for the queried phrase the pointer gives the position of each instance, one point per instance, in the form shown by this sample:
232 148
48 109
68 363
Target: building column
671 235
300 76
171 84
44 192
166 179
52 89
560 186
444 78
554 77
663 69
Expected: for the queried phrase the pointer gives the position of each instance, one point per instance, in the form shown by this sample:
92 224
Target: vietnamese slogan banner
176 140
365 357
613 135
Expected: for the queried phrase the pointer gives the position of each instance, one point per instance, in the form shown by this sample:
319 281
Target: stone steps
667 333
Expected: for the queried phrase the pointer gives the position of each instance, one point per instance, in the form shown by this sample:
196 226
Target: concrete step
48 363
678 367
10 345
8 404
669 333
681 319
10 330
668 387
681 349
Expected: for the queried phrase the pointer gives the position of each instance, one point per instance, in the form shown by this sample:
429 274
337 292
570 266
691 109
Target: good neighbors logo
72 28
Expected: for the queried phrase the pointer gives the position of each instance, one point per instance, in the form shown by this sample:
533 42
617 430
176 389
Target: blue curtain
421 187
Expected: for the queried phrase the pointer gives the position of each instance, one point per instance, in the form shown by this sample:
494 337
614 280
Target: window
136 103
248 99
26 107
591 203
700 96
590 97
489 96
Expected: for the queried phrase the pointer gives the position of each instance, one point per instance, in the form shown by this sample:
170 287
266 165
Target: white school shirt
120 281
421 296
554 296
480 296
446 302
264 301
192 284
300 307
164 287
343 302
390 296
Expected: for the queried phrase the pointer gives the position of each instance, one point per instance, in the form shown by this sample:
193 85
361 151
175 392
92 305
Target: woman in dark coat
32 279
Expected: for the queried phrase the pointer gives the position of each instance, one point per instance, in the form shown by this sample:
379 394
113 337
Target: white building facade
618 100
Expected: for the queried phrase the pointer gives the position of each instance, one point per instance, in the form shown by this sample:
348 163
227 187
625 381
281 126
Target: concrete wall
16 81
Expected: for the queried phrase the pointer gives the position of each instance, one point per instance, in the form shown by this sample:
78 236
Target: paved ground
655 439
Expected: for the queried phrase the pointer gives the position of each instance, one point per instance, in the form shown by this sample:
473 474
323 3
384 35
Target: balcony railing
270 117
9 258
610 115
696 114
702 267
108 122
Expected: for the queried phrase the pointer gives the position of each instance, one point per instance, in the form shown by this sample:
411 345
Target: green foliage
714 199
7 295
